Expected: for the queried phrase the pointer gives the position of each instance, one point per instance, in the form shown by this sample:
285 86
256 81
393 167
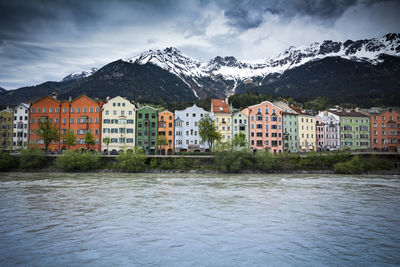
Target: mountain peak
79 75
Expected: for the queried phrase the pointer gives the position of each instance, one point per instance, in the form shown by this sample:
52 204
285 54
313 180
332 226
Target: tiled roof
347 113
220 106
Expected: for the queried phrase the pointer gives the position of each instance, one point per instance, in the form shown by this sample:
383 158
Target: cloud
48 39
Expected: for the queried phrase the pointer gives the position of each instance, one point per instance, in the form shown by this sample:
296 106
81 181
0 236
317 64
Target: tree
239 140
48 132
107 141
89 140
207 131
70 138
161 141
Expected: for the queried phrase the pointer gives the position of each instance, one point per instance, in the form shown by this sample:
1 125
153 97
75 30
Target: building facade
290 132
187 138
166 128
222 119
354 128
44 109
146 129
21 126
290 127
385 130
6 131
118 125
265 130
240 124
84 115
328 132
79 115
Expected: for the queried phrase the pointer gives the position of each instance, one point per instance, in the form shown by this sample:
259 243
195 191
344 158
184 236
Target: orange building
45 109
385 130
80 115
166 128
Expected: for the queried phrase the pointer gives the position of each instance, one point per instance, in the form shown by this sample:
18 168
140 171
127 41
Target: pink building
265 127
320 133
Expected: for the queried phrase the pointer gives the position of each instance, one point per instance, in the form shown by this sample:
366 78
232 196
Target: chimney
70 98
357 109
54 95
108 98
325 113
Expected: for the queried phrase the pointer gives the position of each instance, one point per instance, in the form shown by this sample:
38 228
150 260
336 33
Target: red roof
220 106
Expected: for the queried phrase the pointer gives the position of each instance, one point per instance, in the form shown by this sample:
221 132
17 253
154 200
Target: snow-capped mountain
234 72
79 75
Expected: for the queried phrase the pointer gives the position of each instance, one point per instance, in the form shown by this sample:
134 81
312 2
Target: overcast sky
49 39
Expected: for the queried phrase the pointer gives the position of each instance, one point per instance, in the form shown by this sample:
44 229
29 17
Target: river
113 219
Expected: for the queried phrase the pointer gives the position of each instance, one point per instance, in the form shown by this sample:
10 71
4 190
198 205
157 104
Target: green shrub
233 161
8 162
264 160
373 163
153 163
74 160
353 166
32 158
131 162
286 162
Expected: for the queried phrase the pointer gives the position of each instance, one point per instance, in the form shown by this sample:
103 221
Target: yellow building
307 137
222 119
6 130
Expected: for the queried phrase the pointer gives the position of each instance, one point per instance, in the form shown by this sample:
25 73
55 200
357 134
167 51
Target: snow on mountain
229 68
196 73
79 75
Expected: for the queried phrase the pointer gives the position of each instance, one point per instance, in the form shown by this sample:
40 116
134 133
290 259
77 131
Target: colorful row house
290 127
328 132
240 124
354 129
146 134
6 131
265 120
187 138
222 119
166 130
385 129
21 126
118 125
79 115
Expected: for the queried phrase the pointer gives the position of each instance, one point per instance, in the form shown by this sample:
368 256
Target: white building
330 134
118 124
187 138
21 126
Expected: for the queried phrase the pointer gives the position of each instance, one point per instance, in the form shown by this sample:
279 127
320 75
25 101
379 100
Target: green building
6 130
240 124
146 129
290 132
354 129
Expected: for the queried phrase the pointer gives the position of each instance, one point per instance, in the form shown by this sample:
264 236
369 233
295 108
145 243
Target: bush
8 162
32 158
233 161
373 163
73 160
179 163
131 162
363 164
353 166
286 162
264 160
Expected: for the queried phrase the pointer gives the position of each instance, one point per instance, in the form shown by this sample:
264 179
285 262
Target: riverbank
222 162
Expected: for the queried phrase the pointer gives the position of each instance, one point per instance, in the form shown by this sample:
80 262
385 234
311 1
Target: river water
103 219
